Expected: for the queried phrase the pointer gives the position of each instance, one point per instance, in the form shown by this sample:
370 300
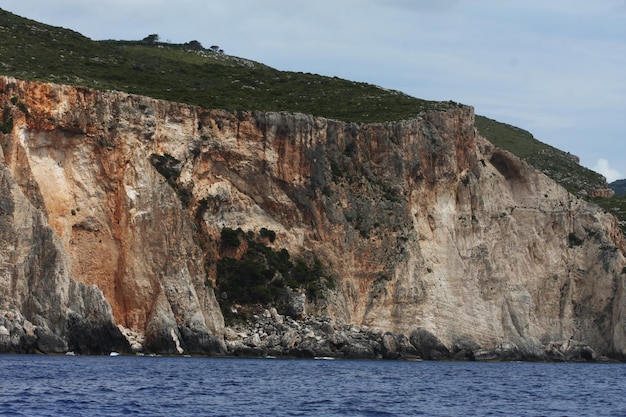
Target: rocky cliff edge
438 243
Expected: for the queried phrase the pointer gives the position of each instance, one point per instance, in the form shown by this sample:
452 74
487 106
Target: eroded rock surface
112 206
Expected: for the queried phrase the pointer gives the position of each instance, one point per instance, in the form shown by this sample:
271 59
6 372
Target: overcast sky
556 68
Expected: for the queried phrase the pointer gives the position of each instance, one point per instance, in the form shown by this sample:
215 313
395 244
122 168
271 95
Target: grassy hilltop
189 73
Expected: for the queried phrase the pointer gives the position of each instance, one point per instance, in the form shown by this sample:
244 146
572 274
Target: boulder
428 346
47 342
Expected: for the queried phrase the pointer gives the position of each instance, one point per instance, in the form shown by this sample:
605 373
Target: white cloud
611 174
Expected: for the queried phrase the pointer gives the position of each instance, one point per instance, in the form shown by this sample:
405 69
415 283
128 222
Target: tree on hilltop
195 45
216 49
151 39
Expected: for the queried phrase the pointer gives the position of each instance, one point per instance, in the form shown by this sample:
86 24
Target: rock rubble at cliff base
19 335
273 335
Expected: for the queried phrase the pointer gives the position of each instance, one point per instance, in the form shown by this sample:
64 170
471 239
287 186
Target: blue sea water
33 385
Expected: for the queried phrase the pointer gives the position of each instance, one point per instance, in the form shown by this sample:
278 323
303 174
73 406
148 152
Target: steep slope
79 157
425 227
619 187
41 306
561 166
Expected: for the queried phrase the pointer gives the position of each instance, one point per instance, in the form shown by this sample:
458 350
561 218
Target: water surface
147 386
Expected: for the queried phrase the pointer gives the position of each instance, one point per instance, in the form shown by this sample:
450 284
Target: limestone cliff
42 307
81 159
424 225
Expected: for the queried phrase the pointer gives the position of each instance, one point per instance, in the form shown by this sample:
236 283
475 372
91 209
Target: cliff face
83 161
423 224
41 306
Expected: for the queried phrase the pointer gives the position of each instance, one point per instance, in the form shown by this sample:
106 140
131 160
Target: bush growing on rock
269 234
263 275
230 237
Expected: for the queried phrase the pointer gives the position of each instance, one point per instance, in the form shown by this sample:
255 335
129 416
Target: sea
41 385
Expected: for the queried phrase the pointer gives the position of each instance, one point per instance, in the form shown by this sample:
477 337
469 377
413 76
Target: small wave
368 412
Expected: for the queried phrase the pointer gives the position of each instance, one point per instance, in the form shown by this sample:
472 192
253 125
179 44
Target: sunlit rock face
82 160
422 223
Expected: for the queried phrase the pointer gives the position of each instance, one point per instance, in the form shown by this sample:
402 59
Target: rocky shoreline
270 334
273 335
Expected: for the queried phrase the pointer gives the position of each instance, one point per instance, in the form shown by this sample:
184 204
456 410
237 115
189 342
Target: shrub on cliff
7 121
230 237
269 234
261 275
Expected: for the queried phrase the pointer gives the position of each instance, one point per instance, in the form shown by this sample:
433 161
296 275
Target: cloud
611 174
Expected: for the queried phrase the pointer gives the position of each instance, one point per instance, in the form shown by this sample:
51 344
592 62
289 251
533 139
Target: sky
556 68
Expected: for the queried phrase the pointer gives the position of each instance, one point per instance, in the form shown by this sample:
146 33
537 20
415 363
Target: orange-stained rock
423 223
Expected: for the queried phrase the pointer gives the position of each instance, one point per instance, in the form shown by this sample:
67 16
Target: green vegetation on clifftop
33 51
558 165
